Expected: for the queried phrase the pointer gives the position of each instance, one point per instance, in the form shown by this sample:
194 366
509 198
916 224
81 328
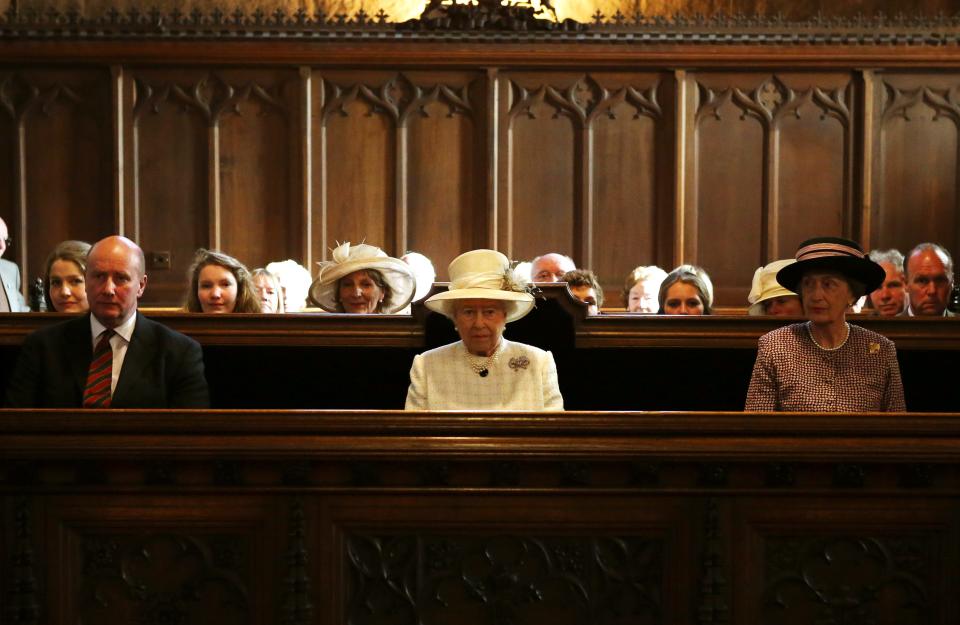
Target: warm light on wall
402 10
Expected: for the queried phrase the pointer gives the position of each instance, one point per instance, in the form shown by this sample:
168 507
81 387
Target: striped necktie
97 392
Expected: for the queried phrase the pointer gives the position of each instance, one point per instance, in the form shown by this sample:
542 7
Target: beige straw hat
482 274
765 286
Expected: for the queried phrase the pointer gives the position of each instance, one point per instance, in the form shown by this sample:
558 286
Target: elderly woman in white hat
768 297
483 370
826 364
363 279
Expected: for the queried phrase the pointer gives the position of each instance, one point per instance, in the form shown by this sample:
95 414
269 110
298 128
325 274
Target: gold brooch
874 348
520 362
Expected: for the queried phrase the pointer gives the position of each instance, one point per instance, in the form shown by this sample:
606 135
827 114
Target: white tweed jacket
523 378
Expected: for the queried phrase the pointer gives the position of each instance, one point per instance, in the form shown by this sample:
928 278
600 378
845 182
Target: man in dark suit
112 357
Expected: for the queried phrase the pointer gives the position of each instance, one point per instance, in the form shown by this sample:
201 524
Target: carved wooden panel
261 215
632 177
445 185
58 139
584 162
164 562
459 564
167 195
505 578
761 142
915 160
812 561
541 146
214 166
398 162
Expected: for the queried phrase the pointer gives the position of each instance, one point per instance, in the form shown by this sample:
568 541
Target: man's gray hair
894 257
563 256
940 251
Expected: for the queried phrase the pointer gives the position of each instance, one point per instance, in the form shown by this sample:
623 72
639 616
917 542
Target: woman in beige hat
768 297
483 370
363 279
827 364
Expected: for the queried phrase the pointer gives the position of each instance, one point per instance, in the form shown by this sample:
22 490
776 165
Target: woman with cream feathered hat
483 370
363 279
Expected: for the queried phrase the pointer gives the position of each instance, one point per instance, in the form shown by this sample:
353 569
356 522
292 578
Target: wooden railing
361 517
608 362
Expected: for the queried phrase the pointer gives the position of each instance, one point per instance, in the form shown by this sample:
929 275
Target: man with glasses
11 297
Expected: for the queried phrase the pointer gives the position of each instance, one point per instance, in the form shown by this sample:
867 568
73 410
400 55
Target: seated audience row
921 288
822 365
220 283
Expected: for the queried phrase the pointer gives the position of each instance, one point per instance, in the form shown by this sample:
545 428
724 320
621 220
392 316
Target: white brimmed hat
482 274
349 258
765 286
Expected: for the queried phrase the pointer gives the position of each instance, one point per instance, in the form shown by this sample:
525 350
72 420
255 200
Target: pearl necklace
829 349
481 366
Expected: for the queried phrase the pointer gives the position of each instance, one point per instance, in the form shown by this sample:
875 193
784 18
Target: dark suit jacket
162 368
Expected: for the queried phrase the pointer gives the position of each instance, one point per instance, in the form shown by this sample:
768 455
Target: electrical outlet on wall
158 260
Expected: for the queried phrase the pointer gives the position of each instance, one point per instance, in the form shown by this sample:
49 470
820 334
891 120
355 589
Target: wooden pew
378 517
607 362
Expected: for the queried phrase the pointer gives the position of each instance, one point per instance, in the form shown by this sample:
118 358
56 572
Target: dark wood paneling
382 517
724 223
916 165
260 209
169 199
761 143
815 124
136 561
355 168
541 152
833 560
631 160
444 569
412 157
445 183
67 188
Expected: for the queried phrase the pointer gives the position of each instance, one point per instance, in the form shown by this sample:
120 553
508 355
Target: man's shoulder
62 329
154 330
